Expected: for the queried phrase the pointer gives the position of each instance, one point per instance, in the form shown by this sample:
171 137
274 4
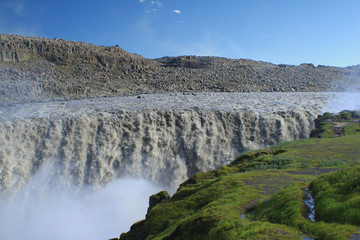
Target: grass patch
353 128
269 181
317 151
325 124
337 196
287 207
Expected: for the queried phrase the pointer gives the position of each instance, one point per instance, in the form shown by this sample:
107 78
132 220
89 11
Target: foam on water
258 102
164 138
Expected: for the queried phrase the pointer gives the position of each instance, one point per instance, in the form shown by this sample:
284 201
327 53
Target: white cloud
152 6
156 3
177 11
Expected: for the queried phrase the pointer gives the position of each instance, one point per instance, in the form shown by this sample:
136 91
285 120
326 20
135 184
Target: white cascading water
81 145
164 147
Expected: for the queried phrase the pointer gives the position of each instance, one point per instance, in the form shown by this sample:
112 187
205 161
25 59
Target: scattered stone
33 67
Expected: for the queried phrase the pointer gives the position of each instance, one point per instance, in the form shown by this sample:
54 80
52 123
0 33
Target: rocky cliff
37 67
33 67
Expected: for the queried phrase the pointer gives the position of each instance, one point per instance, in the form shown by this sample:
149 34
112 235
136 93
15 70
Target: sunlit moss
337 196
219 204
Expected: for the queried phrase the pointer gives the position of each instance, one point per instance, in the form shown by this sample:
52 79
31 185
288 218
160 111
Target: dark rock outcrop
61 52
157 198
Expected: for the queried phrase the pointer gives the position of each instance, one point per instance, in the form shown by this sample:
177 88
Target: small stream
309 203
244 216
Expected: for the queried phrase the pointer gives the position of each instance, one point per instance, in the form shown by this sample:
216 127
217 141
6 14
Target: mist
45 210
343 101
349 98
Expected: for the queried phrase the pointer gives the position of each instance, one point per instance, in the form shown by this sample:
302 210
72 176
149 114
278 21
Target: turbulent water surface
76 147
164 138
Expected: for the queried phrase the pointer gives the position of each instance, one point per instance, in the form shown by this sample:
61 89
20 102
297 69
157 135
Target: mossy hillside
302 154
287 207
331 125
213 205
353 128
337 196
284 207
322 152
205 207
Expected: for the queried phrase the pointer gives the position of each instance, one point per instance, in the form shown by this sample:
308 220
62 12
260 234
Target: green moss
160 196
316 152
337 196
303 153
213 205
329 231
285 207
346 115
262 160
325 124
353 128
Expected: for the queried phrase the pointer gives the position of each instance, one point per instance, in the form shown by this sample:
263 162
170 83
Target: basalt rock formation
33 67
37 67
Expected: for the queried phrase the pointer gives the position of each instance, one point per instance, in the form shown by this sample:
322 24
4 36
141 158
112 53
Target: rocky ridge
34 67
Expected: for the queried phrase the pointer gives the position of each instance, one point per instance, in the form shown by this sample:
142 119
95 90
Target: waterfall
164 144
164 147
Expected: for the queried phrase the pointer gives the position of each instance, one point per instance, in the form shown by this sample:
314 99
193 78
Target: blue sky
323 32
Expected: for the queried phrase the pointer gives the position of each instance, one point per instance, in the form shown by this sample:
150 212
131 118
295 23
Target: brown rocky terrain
33 67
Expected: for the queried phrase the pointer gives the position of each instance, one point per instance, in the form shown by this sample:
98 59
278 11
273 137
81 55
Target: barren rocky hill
33 67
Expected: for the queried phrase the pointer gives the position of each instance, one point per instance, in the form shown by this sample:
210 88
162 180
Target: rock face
33 67
38 67
61 52
158 198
